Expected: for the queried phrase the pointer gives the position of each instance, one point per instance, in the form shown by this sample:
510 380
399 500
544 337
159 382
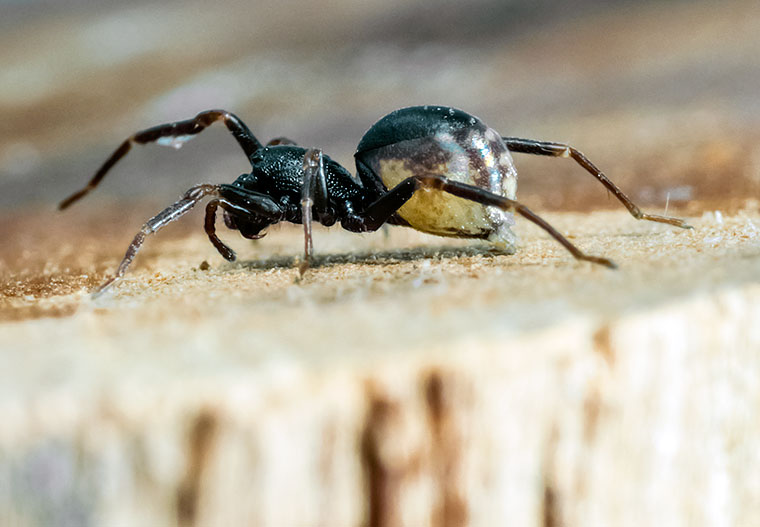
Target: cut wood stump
406 380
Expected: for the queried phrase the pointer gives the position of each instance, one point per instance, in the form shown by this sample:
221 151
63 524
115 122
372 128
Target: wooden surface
407 380
402 382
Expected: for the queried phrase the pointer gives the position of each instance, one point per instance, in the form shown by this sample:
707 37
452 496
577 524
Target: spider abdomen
452 144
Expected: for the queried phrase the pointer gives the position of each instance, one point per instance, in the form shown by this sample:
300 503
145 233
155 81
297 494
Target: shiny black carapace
436 169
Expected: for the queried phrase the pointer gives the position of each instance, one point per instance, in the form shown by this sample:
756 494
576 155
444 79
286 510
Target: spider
436 169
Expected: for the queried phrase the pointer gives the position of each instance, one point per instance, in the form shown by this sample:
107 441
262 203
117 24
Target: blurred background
662 95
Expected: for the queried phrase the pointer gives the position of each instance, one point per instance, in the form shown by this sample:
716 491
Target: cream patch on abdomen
434 211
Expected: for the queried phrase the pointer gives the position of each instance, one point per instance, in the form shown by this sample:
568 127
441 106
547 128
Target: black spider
433 168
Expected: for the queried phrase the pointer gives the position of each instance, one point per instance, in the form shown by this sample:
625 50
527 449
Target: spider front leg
166 216
172 134
545 148
383 208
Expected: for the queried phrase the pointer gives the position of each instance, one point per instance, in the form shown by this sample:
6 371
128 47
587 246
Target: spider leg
281 141
166 216
383 208
545 148
252 204
313 195
173 134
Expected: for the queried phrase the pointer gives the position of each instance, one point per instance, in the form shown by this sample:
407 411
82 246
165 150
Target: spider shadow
381 258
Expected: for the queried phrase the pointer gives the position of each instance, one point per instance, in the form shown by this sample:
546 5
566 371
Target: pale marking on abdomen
434 211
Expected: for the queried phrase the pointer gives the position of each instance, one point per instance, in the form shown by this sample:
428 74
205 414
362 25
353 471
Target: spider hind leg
546 148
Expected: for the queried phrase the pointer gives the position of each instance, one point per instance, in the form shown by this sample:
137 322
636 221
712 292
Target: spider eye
246 180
